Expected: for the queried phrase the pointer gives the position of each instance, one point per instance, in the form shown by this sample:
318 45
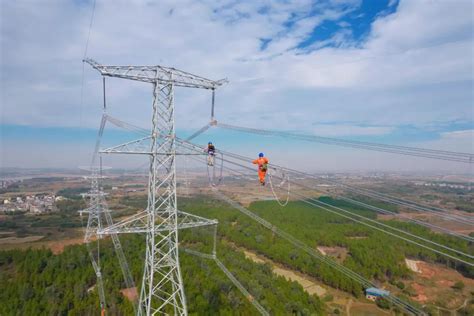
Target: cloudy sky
397 72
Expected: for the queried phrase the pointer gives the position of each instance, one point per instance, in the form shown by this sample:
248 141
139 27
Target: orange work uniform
260 162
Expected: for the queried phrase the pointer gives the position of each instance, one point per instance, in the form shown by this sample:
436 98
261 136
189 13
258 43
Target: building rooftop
376 291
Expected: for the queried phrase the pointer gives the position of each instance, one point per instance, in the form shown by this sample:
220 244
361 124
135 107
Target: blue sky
340 68
355 26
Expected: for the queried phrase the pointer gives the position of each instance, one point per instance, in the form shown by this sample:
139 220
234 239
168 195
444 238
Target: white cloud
462 141
415 67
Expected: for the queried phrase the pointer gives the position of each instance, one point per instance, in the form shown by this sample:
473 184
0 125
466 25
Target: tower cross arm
156 74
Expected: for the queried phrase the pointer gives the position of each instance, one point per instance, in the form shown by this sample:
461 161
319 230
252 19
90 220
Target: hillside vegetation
39 282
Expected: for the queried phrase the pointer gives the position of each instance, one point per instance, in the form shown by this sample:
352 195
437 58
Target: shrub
459 285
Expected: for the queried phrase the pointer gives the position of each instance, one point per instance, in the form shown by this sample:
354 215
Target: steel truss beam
137 224
157 75
141 146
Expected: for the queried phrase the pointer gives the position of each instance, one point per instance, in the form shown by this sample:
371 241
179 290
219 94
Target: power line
316 203
395 149
366 192
302 246
373 194
325 259
383 211
370 193
229 274
409 204
89 32
362 220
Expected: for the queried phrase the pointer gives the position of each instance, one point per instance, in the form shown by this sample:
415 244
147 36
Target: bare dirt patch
6 234
421 296
428 270
130 293
413 265
435 219
305 281
36 242
57 247
308 284
91 289
432 283
19 240
357 237
253 256
338 253
366 309
445 283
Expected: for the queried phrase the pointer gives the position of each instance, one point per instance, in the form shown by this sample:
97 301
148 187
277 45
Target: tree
382 303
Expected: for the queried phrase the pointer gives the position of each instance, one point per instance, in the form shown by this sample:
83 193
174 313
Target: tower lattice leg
162 289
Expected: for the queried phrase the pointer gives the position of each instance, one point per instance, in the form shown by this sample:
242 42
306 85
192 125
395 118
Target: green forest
37 282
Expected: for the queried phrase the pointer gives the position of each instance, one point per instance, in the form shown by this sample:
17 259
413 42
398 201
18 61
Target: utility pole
162 290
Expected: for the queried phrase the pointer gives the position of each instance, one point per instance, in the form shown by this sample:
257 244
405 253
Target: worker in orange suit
262 163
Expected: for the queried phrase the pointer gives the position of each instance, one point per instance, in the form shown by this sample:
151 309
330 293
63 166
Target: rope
212 180
283 204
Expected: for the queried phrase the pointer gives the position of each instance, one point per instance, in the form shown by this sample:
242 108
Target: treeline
71 205
36 282
73 193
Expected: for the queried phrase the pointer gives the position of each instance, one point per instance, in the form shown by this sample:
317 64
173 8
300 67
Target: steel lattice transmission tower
94 223
99 215
162 289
